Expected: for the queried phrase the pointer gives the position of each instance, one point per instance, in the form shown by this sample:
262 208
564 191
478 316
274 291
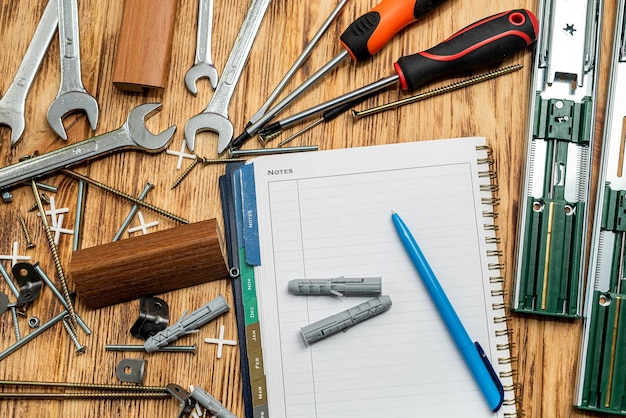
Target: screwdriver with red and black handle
361 40
481 44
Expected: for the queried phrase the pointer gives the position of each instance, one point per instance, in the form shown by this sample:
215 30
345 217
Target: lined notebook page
328 214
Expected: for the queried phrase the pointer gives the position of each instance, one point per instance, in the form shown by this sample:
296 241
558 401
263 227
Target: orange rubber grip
371 32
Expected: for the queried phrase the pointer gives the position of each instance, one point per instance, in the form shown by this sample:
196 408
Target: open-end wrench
13 102
72 96
132 135
203 66
215 116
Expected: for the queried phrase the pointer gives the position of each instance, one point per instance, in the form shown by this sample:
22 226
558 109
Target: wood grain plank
546 350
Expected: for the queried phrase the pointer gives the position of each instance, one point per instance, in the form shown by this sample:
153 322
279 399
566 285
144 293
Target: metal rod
296 65
300 132
59 296
356 115
140 348
271 113
31 335
55 258
269 151
352 96
133 211
123 195
7 279
80 209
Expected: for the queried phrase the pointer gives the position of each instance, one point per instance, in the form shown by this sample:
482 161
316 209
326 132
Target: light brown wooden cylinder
144 45
149 264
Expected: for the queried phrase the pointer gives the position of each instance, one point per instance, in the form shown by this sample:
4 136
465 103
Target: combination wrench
72 95
13 102
203 66
132 135
215 116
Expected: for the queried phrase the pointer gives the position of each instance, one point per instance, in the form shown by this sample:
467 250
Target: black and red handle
371 32
486 42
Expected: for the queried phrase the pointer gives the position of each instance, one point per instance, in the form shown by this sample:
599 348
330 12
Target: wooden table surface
547 350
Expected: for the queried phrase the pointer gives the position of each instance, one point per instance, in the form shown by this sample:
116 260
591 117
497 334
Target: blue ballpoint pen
473 355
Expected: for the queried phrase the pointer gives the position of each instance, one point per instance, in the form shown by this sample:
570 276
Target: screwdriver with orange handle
481 44
361 40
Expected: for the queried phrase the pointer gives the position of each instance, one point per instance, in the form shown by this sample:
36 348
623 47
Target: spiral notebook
328 214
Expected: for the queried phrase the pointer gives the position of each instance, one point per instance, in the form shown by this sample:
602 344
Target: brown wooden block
148 264
144 45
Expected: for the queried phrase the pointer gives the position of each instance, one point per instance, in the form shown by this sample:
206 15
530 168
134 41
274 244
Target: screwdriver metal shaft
483 43
361 40
297 64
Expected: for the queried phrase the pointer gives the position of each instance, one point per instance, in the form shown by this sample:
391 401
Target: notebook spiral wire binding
490 187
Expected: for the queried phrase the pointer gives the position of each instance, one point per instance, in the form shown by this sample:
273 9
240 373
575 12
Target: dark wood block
148 264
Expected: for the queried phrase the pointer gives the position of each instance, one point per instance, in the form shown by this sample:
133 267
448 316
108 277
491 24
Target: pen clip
492 372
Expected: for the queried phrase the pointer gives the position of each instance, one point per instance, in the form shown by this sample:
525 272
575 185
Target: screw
44 198
55 257
84 386
204 161
16 325
125 196
186 172
85 395
47 187
80 349
58 294
356 115
29 241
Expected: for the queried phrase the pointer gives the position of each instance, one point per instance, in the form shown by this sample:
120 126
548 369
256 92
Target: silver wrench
132 135
14 100
203 65
72 96
215 116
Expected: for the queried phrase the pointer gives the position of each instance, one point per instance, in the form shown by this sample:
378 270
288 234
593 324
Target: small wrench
72 96
203 66
132 135
215 116
13 102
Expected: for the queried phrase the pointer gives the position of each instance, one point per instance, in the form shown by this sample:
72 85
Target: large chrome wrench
13 102
215 116
132 135
203 66
72 95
